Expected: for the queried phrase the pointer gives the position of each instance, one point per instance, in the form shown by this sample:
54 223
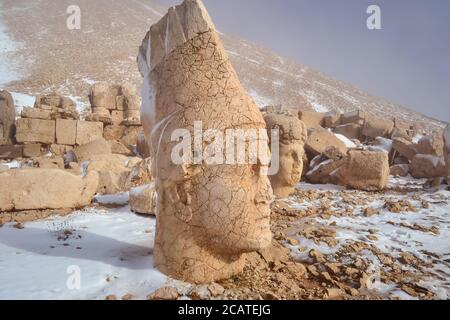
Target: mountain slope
51 57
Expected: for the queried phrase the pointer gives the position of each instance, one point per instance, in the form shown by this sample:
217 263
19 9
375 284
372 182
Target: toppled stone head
292 137
209 213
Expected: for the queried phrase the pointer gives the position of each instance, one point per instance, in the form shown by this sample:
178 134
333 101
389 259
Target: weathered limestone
404 147
356 117
88 131
35 130
432 144
319 140
114 104
60 107
33 189
142 199
292 137
36 113
324 165
364 170
114 132
428 166
208 216
311 119
32 150
331 120
377 127
7 117
349 130
87 151
66 132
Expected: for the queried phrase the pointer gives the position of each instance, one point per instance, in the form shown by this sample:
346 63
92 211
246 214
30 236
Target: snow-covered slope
105 48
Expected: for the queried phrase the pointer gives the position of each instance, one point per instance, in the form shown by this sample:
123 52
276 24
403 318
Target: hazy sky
407 62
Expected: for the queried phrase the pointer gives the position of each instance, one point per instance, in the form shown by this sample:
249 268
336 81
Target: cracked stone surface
208 216
293 135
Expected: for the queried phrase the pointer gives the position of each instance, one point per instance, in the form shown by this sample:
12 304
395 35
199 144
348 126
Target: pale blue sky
407 62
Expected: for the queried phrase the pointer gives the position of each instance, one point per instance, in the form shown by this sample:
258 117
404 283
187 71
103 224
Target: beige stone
292 137
87 151
432 144
53 162
141 199
428 166
120 148
36 113
66 132
117 116
311 119
32 150
32 189
377 127
140 174
88 132
364 170
130 135
35 130
323 166
102 95
356 117
7 118
331 120
349 130
319 140
59 149
404 147
208 216
114 132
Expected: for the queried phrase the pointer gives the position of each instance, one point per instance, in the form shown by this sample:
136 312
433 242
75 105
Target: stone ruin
208 216
7 118
292 137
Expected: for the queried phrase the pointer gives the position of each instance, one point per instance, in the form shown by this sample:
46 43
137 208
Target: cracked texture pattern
208 216
292 137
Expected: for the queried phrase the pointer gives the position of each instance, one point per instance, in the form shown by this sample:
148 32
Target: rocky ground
329 243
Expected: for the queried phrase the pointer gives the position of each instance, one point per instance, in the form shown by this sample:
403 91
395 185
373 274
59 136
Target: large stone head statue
292 137
210 211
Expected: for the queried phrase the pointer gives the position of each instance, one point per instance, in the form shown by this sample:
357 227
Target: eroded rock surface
208 216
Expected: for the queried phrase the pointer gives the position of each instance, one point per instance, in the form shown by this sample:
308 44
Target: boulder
114 132
54 162
87 151
7 117
140 174
399 170
88 132
404 148
311 119
35 130
142 199
36 189
32 150
319 140
356 117
428 166
331 120
120 148
350 130
66 132
377 127
364 170
131 135
324 166
432 144
36 113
